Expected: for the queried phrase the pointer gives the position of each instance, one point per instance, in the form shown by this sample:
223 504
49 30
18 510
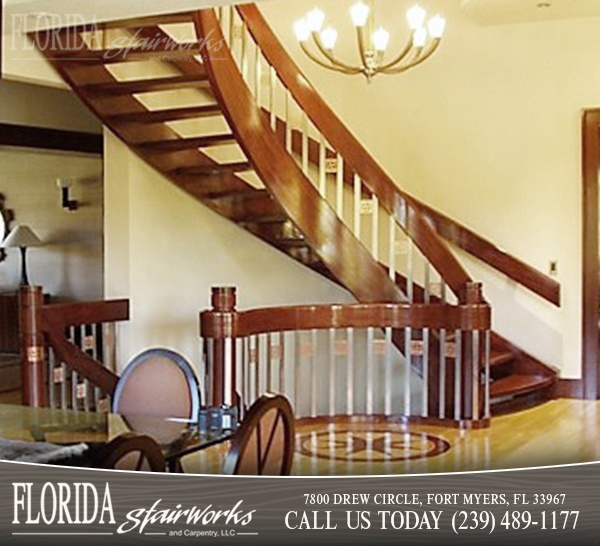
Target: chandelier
372 42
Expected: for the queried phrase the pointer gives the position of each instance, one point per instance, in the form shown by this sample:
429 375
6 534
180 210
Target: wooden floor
556 432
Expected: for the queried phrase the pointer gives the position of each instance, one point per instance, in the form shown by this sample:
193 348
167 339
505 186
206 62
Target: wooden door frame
591 262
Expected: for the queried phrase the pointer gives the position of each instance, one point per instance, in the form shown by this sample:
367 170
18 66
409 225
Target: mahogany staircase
213 102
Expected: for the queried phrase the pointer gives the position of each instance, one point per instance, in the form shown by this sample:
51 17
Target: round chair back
264 443
160 383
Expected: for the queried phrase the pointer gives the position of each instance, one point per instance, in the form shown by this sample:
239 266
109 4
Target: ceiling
499 12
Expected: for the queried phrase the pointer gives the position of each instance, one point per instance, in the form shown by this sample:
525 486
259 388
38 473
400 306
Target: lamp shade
22 237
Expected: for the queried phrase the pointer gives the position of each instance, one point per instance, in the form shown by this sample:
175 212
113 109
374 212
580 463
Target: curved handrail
457 234
345 256
400 205
323 317
486 251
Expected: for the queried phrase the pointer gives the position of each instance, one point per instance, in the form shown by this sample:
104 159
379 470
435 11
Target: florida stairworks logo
81 504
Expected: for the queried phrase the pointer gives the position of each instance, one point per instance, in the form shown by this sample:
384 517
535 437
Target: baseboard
567 388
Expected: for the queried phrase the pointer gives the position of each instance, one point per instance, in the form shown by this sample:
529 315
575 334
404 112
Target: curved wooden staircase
293 174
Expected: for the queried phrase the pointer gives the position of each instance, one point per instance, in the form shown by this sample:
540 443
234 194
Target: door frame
591 261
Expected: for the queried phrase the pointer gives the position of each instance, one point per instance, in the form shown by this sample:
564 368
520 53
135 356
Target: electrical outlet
554 268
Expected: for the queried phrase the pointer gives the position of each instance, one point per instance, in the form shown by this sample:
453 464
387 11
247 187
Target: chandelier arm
331 58
400 57
361 47
420 58
333 67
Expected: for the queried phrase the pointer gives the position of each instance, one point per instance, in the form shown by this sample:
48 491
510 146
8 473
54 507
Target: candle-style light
425 37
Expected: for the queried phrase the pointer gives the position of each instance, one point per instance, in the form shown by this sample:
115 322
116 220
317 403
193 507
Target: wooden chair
131 452
160 383
264 443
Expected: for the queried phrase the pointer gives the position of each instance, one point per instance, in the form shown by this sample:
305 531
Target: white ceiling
499 12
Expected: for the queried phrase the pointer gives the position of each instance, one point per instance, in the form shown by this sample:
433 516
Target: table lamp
22 237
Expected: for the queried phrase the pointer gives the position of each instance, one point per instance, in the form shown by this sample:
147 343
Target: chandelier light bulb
359 13
416 17
420 37
437 25
381 39
315 20
301 30
329 38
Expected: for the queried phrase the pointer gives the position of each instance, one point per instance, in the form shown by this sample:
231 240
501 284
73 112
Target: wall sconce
67 203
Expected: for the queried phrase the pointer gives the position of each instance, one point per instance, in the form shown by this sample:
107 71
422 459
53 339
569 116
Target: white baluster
392 250
375 228
322 166
339 200
357 205
305 149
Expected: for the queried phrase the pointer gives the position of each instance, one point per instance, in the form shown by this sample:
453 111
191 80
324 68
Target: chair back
264 443
158 382
131 452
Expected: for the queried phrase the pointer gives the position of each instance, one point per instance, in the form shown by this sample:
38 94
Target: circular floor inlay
370 445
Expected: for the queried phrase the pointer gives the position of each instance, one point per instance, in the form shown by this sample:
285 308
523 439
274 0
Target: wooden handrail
400 205
93 312
345 256
486 251
56 318
321 317
385 189
453 232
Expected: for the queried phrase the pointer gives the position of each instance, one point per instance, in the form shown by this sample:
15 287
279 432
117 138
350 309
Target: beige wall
488 132
39 106
69 266
164 250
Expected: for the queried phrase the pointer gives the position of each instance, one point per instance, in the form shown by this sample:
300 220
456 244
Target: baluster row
411 372
66 390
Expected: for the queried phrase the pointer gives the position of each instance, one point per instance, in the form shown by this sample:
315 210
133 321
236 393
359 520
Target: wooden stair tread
289 243
178 144
266 219
500 356
148 85
172 114
217 168
516 384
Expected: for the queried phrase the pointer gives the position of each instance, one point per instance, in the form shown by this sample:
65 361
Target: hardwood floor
556 432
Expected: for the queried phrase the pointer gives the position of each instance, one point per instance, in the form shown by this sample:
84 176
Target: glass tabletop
177 437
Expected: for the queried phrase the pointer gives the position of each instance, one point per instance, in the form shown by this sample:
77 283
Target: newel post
218 330
31 300
471 353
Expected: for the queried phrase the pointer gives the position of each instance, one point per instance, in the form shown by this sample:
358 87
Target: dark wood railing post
31 300
220 357
471 294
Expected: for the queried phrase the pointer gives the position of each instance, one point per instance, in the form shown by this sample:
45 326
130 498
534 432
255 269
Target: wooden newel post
221 351
31 300
471 294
